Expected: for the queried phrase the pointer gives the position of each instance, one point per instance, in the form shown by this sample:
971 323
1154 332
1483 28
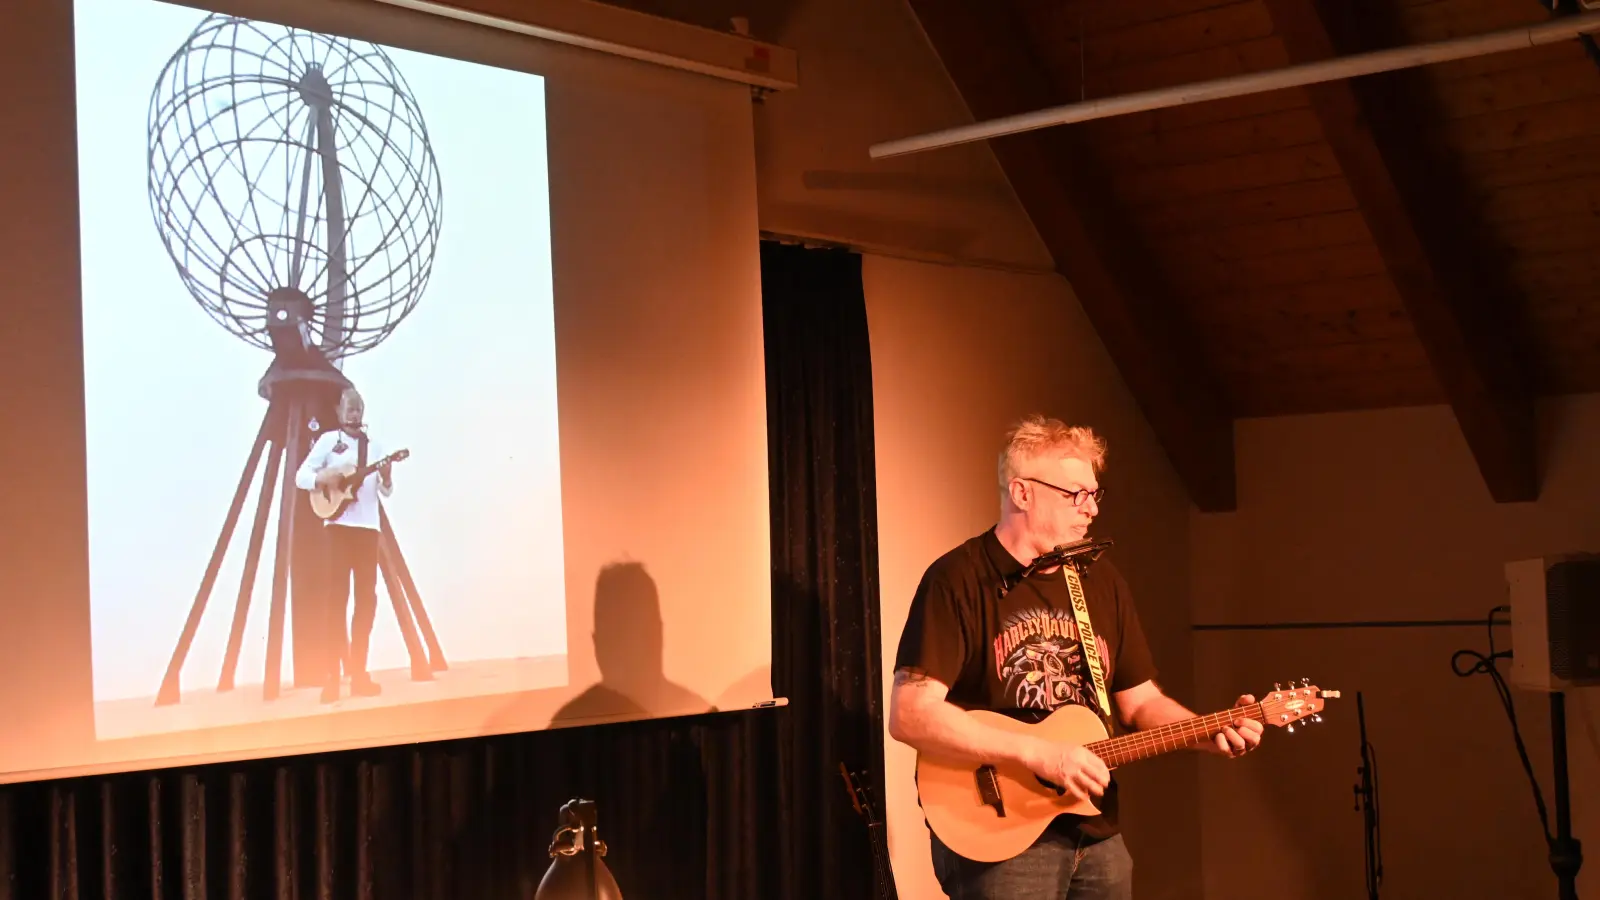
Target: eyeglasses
1077 497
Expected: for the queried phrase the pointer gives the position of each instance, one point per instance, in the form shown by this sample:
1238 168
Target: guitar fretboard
883 876
1119 751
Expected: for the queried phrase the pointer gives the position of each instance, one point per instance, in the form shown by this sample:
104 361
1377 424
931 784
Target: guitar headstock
399 455
1285 706
855 787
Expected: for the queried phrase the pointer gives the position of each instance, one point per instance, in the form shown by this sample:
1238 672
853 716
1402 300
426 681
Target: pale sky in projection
466 383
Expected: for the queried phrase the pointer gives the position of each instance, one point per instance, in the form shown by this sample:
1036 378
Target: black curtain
824 559
734 805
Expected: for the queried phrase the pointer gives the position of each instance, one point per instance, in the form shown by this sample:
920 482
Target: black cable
1375 877
1570 8
1488 665
1367 804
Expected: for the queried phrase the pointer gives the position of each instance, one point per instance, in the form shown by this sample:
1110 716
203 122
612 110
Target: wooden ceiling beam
986 53
1456 291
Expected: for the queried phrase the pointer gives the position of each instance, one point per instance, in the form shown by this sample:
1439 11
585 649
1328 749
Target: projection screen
386 378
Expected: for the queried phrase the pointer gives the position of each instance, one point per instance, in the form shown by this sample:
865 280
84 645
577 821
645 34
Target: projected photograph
320 373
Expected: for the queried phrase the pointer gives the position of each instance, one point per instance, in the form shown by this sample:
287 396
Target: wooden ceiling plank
1451 289
1302 233
986 54
1569 78
1549 123
1504 171
1340 392
1191 116
1178 36
1241 58
1275 203
1371 325
1097 16
1283 130
1277 360
1311 162
1443 21
1151 40
1277 270
1303 302
1555 195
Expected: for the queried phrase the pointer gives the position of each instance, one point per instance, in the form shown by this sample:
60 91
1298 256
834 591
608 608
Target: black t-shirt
1019 654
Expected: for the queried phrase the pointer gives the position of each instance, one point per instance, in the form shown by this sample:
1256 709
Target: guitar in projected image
994 812
330 501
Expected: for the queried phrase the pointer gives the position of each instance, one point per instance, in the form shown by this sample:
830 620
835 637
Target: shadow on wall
647 776
628 649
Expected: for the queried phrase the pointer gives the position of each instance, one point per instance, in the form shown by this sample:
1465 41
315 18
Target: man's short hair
1036 436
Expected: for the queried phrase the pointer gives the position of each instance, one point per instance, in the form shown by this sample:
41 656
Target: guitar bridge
989 790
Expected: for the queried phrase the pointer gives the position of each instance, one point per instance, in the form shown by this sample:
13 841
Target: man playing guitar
984 635
352 543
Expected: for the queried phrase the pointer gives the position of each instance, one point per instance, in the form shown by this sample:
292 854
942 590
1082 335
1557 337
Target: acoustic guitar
331 501
855 786
993 812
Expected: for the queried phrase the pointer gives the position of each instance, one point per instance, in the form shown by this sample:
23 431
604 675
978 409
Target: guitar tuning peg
1317 717
1305 682
1276 686
1291 729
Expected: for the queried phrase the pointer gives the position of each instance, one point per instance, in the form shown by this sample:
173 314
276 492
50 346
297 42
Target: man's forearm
920 716
1158 711
944 729
305 477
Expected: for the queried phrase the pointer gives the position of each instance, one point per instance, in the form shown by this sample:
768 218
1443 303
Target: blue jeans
1056 867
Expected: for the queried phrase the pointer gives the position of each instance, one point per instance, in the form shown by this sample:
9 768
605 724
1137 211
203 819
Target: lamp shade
577 865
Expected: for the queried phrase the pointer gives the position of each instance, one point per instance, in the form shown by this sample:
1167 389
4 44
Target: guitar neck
1128 748
883 871
362 473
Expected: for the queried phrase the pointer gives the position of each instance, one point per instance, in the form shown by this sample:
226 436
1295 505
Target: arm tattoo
911 677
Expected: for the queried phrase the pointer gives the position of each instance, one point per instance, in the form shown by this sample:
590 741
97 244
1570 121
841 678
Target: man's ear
1020 493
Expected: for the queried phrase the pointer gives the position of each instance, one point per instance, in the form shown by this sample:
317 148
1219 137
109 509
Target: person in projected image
352 543
967 645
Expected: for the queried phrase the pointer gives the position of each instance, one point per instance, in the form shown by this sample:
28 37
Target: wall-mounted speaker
1555 621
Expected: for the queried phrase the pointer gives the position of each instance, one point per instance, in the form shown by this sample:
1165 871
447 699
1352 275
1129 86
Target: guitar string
1132 748
1178 734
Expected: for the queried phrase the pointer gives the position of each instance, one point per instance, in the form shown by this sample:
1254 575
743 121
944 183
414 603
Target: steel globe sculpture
287 160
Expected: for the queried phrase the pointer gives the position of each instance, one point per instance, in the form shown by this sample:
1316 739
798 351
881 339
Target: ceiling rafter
986 54
1455 291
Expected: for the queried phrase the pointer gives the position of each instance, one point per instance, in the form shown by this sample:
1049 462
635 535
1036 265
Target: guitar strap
1088 641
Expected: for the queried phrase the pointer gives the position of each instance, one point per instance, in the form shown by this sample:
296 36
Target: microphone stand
1367 803
1566 852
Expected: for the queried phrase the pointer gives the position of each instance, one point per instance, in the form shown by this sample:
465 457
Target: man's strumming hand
1069 766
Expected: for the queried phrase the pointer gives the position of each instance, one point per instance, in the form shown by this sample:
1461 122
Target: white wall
1383 515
